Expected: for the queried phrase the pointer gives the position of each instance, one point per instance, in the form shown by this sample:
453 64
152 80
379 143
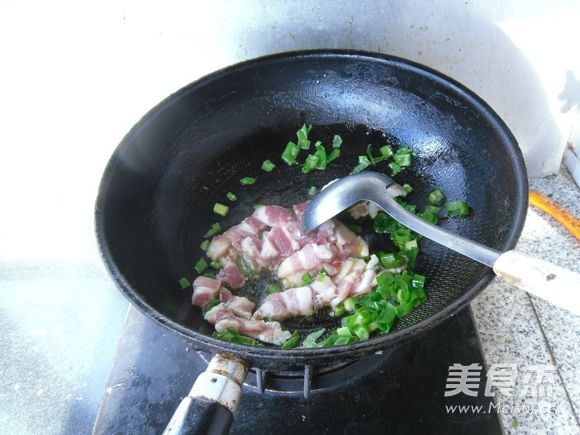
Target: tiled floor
517 328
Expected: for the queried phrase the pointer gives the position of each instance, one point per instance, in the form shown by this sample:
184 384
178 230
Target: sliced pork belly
240 306
298 301
293 302
268 332
272 215
364 209
204 290
231 275
308 259
299 209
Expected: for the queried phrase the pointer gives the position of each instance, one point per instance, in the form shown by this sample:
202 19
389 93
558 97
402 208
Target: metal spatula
538 277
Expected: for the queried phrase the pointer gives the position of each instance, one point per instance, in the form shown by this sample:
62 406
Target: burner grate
308 379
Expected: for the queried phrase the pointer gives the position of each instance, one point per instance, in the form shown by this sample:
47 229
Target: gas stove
398 390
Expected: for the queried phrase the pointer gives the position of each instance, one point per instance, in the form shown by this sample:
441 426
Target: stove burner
309 379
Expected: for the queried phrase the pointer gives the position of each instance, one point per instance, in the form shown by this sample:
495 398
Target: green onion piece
216 228
292 342
393 260
334 154
429 217
403 157
418 281
201 265
257 206
363 163
362 333
268 166
322 273
216 264
341 341
343 331
432 209
412 244
291 153
209 274
436 197
336 141
310 340
387 317
322 158
395 168
204 245
338 310
407 188
274 288
310 163
312 191
184 282
234 336
307 278
221 209
231 196
302 135
374 160
248 181
349 304
457 208
386 151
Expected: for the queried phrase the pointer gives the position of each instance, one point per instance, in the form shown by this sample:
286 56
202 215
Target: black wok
157 193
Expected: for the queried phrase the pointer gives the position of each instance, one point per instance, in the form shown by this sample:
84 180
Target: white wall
76 76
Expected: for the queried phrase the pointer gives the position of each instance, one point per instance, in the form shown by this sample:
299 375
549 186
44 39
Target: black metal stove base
154 369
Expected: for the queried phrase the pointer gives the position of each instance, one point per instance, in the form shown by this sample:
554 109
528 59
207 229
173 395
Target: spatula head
342 194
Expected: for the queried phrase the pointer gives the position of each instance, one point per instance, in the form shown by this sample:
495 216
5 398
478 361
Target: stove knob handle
213 401
199 416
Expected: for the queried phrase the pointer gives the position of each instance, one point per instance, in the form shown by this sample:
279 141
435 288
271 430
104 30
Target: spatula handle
540 278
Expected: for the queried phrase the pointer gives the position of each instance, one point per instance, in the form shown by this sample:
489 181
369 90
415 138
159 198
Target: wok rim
358 349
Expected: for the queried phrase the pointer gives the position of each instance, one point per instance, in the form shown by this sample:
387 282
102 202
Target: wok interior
161 184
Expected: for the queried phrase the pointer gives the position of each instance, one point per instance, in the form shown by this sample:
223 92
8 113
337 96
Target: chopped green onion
292 342
457 208
312 191
268 166
386 151
395 168
310 163
321 154
231 196
334 154
234 336
274 288
302 135
210 274
336 141
322 273
363 163
216 264
248 181
407 188
184 282
201 265
307 278
374 160
349 304
362 333
216 228
436 197
221 209
403 157
310 340
338 310
432 209
204 245
291 153
429 217
393 260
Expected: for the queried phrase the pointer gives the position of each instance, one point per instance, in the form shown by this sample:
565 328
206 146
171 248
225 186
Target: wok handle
213 401
557 285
